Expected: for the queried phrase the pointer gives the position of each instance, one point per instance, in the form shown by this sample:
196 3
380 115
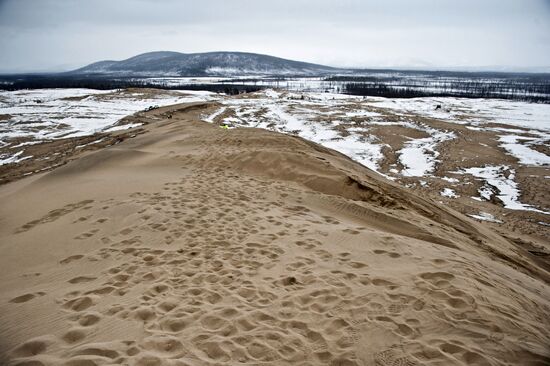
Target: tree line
11 83
472 89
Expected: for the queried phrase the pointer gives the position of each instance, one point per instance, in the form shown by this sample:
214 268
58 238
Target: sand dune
195 245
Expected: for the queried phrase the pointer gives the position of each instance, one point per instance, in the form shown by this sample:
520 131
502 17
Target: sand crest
194 245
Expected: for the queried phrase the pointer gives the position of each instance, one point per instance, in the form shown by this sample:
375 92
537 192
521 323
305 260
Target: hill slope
203 64
195 245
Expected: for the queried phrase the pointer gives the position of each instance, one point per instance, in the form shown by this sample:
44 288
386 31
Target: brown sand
194 245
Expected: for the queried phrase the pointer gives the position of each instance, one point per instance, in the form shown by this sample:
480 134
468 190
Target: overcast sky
38 35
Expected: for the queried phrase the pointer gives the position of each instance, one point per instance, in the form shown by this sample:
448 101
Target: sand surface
193 245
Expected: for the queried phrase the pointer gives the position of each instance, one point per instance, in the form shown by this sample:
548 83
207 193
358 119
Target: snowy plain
319 117
63 113
337 121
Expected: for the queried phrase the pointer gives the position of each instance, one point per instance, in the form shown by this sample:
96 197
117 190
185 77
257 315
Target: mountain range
166 63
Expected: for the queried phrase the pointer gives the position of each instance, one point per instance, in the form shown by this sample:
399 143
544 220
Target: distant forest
382 83
465 91
18 82
524 87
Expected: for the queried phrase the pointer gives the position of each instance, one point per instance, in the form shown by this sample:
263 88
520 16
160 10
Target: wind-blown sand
194 245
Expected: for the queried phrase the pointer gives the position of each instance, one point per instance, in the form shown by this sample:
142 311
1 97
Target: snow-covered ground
470 111
292 114
519 147
419 156
341 122
448 192
61 113
482 115
325 118
499 181
485 216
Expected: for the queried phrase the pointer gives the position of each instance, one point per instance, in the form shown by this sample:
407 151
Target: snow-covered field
366 129
481 115
345 123
39 115
62 113
501 179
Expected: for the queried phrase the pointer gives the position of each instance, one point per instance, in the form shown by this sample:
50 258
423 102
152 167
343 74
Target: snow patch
485 216
123 127
450 180
15 158
212 117
522 152
419 156
501 178
448 192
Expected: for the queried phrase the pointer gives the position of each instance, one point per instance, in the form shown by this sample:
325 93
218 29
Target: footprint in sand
81 279
22 298
381 347
74 335
71 258
79 304
33 347
89 319
55 214
26 297
86 235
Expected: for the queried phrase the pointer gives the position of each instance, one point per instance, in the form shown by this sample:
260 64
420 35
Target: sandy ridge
194 245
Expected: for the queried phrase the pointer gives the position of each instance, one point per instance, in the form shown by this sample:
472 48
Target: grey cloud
46 34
